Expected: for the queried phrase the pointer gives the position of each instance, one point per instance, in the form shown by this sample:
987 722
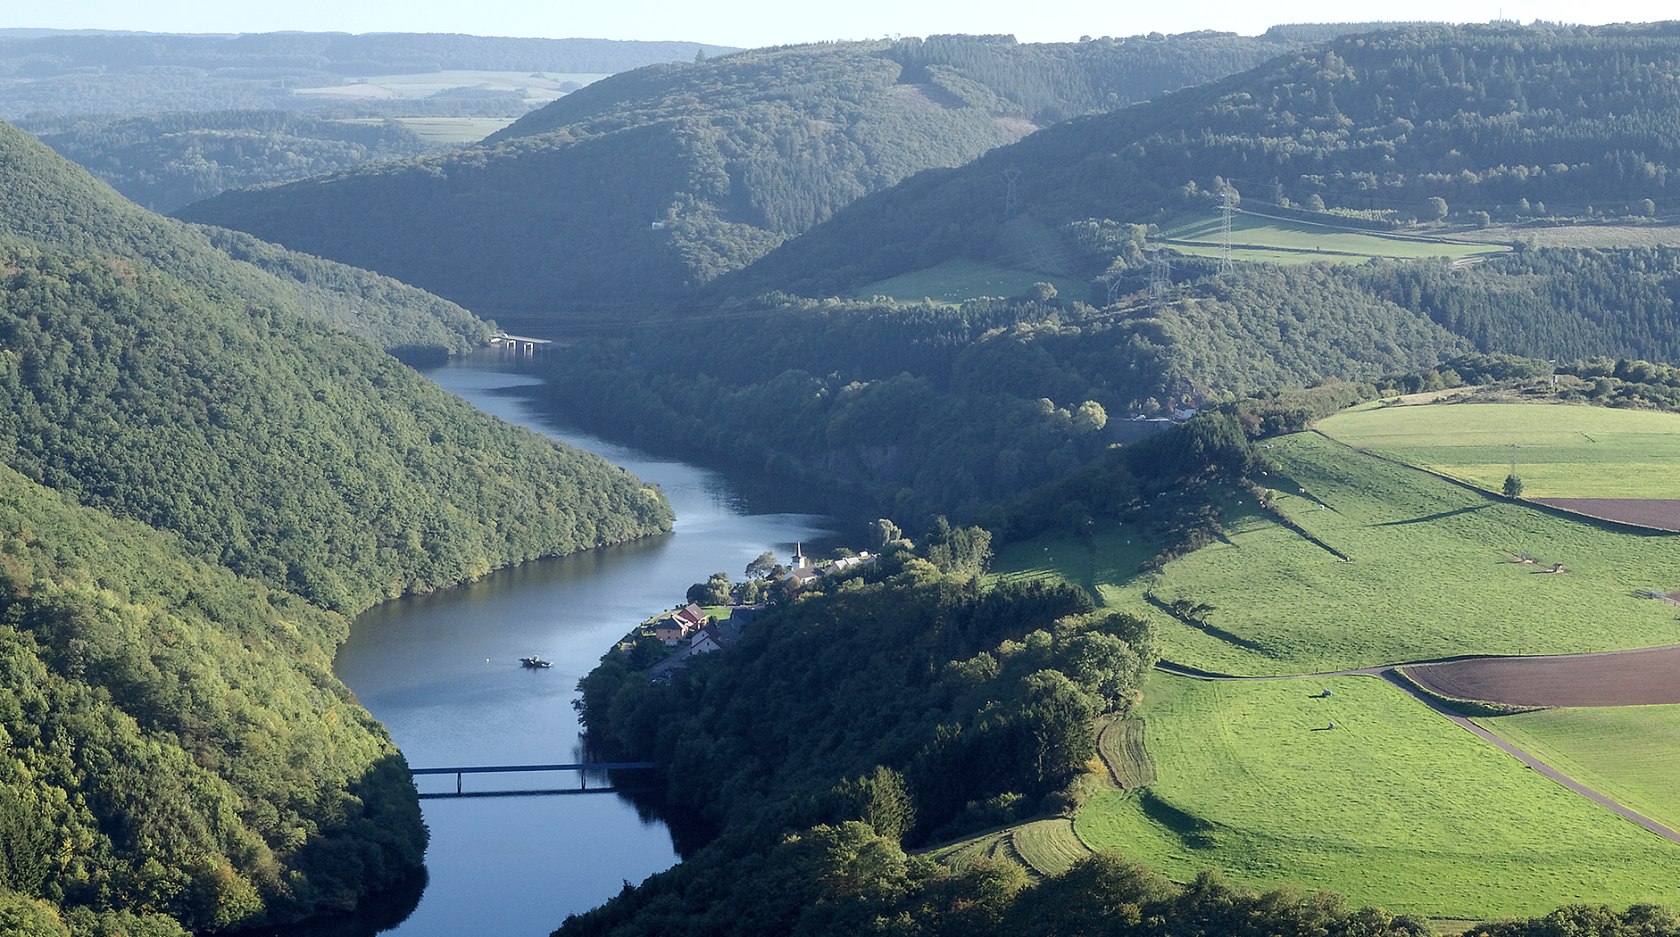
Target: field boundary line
1497 498
1533 761
1390 673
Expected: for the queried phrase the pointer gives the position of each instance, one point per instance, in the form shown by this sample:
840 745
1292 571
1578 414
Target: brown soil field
1621 678
1657 514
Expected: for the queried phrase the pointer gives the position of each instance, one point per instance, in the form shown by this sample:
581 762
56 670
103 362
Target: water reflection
442 672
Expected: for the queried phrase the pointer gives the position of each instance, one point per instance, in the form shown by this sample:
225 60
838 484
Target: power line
1227 205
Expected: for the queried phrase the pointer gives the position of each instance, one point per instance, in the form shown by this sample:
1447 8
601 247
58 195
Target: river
442 672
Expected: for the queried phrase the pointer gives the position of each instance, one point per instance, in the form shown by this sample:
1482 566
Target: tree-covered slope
177 750
149 374
1518 122
52 202
168 160
642 185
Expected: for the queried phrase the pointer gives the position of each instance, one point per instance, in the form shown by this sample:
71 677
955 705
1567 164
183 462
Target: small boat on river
535 663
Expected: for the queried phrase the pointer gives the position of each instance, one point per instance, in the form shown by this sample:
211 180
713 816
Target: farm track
1393 674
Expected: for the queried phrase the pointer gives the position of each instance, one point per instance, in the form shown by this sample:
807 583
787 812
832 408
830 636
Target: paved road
1392 675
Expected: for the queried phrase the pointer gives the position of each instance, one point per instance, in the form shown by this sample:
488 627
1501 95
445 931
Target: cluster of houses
690 630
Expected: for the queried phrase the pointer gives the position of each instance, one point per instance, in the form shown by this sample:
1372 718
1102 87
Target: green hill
148 373
1529 123
64 72
169 160
177 752
645 184
51 201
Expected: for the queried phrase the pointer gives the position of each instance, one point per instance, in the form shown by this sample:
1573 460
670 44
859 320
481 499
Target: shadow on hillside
1443 515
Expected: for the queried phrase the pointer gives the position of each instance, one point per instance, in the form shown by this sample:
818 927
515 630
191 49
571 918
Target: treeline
835 880
1476 123
166 161
641 186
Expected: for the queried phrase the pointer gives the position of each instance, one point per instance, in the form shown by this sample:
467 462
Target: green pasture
1111 556
1625 752
1277 240
1393 807
1562 451
1428 574
957 281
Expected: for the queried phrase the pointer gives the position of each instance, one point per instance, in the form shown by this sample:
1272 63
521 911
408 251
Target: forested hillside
51 201
642 185
178 753
1429 122
166 161
924 407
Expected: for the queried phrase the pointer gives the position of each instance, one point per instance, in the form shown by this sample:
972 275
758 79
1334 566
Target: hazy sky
768 22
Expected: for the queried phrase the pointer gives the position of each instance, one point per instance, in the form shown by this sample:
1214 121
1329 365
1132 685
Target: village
716 611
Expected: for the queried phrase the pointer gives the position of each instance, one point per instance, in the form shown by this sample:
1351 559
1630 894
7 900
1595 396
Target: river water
442 672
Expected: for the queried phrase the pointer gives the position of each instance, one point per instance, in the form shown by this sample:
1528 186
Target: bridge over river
582 768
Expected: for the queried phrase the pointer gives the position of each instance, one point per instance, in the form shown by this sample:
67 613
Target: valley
1261 445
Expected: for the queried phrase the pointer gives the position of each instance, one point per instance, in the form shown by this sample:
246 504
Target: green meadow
1277 240
1427 574
1625 752
1561 451
1394 806
960 280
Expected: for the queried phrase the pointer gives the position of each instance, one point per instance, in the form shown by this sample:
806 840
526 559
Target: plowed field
1625 678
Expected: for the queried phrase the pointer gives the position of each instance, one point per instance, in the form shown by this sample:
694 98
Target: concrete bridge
582 770
519 344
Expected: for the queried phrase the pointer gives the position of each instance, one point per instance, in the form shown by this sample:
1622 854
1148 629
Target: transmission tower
1010 177
1160 277
1227 206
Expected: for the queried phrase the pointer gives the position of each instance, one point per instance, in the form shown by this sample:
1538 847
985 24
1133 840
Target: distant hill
178 755
643 185
52 201
74 72
166 161
1519 123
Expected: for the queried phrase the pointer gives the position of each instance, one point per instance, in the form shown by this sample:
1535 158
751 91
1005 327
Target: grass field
1110 558
1626 752
1430 574
1562 451
1122 745
1394 806
1581 235
537 88
1276 240
956 281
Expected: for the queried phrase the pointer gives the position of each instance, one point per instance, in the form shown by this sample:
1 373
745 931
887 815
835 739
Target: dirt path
1391 673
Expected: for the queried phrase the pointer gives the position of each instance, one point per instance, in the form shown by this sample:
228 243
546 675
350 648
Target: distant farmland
1264 239
1560 451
